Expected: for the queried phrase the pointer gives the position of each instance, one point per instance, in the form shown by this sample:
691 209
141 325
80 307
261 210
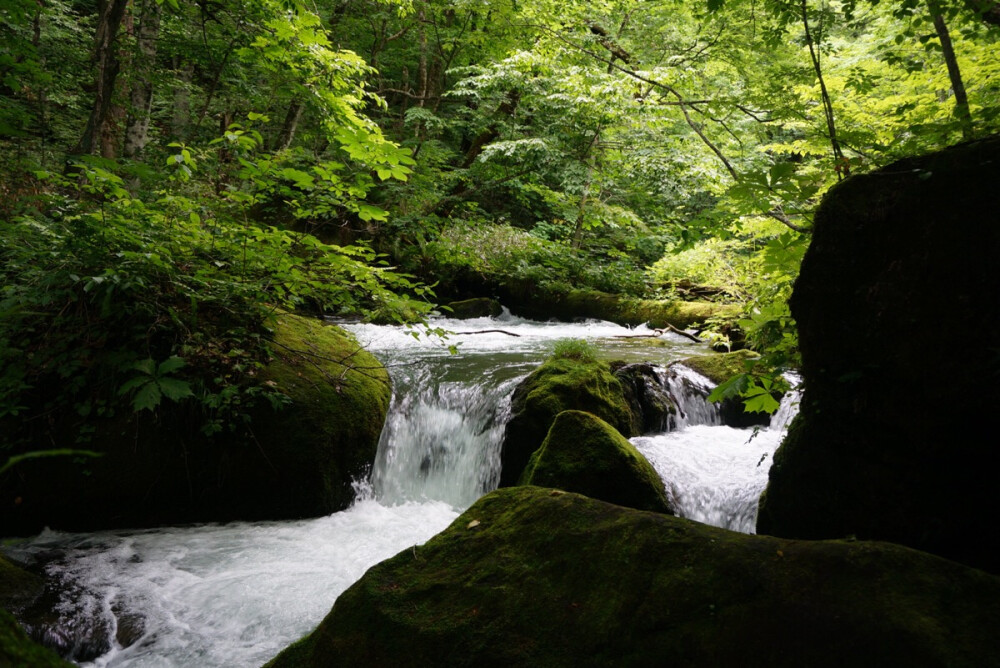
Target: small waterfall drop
713 473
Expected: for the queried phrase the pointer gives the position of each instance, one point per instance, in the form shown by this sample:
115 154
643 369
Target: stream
237 594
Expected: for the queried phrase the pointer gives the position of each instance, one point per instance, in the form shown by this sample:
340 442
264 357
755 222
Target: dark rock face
586 455
648 400
297 462
897 427
17 650
560 384
536 577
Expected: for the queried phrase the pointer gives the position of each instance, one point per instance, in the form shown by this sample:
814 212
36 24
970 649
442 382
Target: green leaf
759 400
148 397
174 389
146 366
170 365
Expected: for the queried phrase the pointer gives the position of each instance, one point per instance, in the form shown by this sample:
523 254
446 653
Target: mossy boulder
297 461
538 577
561 383
897 427
720 367
478 307
19 651
586 455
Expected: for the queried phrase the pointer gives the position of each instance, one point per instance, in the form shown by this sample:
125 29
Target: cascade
237 594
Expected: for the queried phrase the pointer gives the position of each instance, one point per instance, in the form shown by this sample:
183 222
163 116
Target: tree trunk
109 20
842 165
962 111
582 208
181 117
290 125
141 95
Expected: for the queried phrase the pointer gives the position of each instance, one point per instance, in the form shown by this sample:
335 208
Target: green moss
560 384
584 454
158 469
537 577
19 651
722 366
18 587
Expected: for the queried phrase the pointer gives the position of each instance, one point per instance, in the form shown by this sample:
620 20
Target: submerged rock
586 455
897 427
537 577
561 383
294 462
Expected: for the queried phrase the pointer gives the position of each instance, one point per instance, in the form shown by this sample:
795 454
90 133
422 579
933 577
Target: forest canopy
174 172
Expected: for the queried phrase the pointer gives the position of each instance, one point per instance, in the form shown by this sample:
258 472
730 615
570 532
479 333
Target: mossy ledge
586 455
294 462
533 301
561 383
19 651
537 577
720 367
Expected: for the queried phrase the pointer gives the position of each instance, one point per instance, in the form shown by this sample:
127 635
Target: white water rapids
236 594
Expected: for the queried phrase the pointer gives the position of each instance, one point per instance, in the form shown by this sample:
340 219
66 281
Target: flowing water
236 594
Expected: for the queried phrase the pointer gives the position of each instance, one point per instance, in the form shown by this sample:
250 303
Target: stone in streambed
586 455
536 577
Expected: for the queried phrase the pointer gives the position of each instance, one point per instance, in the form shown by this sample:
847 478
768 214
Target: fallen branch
660 332
491 331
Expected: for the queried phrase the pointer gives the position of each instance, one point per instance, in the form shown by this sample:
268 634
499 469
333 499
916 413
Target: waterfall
688 390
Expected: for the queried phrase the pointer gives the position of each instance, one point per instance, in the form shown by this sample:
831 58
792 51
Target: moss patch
560 384
18 587
586 455
479 307
293 462
537 577
720 367
18 651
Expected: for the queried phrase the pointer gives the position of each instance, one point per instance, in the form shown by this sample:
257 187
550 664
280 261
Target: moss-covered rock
18 587
720 367
294 462
896 428
586 455
537 577
18 651
478 307
562 383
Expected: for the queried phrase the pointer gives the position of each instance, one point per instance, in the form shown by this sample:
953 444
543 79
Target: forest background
173 173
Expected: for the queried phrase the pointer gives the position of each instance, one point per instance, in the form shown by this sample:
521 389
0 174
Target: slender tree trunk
109 20
141 95
181 116
842 165
581 210
962 111
422 71
290 125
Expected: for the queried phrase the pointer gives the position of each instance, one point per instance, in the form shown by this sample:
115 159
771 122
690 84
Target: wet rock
536 577
898 306
648 400
17 650
586 455
561 383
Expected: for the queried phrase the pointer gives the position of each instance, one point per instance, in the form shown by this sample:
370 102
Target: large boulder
898 308
586 455
538 577
477 307
563 382
647 398
294 461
